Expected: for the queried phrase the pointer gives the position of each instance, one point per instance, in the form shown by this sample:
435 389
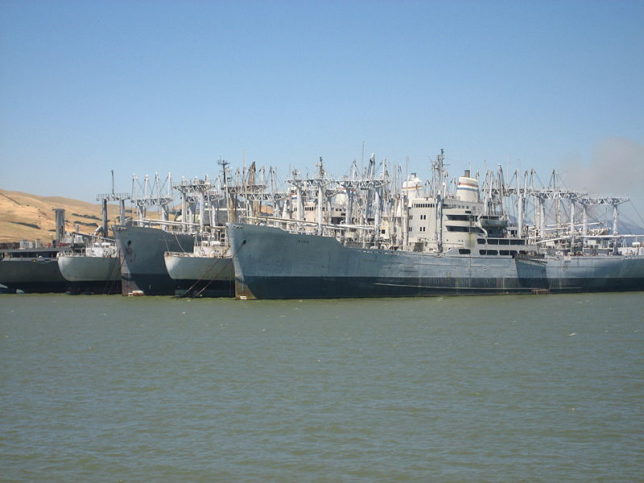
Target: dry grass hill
29 217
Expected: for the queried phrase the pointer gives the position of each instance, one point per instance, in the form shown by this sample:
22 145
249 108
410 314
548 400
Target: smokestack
122 211
60 224
467 173
104 216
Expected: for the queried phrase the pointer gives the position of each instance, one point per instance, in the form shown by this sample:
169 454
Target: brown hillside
29 217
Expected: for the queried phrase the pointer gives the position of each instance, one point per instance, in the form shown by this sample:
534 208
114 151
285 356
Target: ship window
480 241
492 241
504 252
464 251
517 242
489 252
504 241
464 229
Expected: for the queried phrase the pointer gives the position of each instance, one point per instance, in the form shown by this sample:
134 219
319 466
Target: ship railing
68 252
362 234
91 251
168 223
279 222
586 237
186 226
200 253
602 246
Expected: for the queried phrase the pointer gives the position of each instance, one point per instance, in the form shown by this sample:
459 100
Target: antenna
223 163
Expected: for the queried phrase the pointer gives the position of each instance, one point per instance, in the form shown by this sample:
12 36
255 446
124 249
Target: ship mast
438 189
113 196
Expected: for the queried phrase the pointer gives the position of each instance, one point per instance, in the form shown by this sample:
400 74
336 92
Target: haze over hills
25 216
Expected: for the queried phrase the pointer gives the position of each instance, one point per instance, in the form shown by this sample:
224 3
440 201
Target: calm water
447 389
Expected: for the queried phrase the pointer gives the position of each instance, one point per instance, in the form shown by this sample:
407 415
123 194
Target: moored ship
33 268
95 269
271 263
206 272
141 243
441 243
142 264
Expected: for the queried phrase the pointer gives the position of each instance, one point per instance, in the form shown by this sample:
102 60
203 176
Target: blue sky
157 86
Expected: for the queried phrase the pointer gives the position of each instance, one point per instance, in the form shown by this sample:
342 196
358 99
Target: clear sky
157 86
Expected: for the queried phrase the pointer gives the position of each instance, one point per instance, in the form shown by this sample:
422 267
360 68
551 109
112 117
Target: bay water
500 388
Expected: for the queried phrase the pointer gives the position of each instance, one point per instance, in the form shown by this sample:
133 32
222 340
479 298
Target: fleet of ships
376 232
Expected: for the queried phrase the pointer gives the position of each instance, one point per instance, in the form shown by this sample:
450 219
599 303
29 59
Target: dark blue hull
204 288
347 287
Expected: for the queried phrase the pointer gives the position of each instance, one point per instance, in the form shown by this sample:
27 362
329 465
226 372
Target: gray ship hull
201 276
141 252
595 273
37 275
273 264
91 274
